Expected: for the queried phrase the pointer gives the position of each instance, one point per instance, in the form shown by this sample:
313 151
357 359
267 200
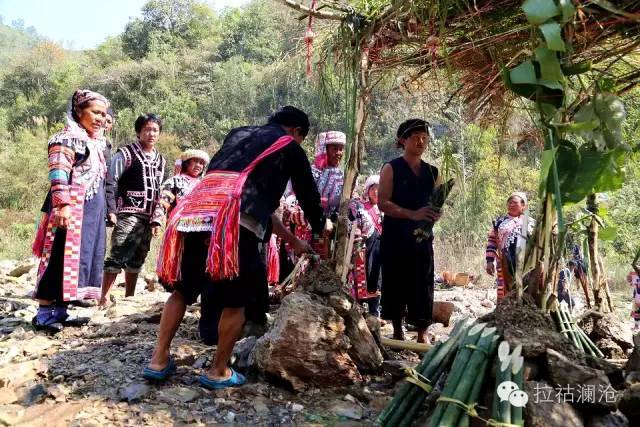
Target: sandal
235 380
161 375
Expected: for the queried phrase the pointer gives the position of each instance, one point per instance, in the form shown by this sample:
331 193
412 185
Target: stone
341 303
242 352
11 321
396 367
348 410
547 412
296 407
11 414
606 326
350 398
564 372
306 346
58 392
633 364
17 374
8 396
181 394
610 348
200 362
612 419
21 269
364 350
260 407
629 404
230 417
487 303
134 392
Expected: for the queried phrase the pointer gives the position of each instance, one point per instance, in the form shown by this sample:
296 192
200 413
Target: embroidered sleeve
166 201
492 245
61 153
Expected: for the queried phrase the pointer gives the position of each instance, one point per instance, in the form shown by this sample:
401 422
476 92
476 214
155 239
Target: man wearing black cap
251 150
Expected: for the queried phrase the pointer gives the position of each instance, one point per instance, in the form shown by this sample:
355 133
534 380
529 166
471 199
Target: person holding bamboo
406 185
503 241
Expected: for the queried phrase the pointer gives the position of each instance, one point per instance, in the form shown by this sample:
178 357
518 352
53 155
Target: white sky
81 24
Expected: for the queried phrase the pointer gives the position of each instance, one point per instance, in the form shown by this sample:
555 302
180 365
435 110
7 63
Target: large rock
633 364
576 379
544 411
307 345
364 350
606 326
629 404
612 419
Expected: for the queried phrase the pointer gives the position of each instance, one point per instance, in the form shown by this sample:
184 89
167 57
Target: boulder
629 404
242 352
612 419
633 364
307 345
363 350
607 326
577 379
547 412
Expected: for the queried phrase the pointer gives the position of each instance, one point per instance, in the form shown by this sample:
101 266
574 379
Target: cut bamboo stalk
572 325
406 345
436 366
517 372
462 391
457 370
426 367
504 405
572 335
478 382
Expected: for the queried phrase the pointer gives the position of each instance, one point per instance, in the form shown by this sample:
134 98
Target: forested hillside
206 72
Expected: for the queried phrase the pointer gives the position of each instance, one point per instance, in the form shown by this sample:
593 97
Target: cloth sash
214 206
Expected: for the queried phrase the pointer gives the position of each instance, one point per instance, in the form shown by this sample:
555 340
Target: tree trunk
600 287
352 171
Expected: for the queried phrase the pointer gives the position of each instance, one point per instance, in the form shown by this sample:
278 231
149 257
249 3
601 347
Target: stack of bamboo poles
459 396
577 336
420 381
509 371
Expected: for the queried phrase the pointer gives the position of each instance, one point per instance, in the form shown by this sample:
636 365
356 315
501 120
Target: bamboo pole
405 345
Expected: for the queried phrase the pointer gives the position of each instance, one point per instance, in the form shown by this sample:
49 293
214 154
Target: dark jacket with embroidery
138 179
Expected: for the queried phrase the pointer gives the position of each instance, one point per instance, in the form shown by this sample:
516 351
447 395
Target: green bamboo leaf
540 11
549 64
608 233
552 33
568 10
546 162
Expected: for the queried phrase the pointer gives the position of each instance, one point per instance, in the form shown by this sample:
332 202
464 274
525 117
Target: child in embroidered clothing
189 170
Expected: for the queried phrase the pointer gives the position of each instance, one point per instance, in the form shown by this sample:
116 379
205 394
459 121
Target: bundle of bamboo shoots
577 336
509 378
465 378
406 403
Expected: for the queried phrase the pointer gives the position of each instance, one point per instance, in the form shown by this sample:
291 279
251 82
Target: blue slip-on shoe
235 380
161 375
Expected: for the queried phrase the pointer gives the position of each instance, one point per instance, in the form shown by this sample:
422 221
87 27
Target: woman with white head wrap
70 240
503 241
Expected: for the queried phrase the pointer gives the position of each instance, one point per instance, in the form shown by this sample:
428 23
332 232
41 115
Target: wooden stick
405 345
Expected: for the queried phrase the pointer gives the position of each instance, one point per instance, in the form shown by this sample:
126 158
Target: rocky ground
92 375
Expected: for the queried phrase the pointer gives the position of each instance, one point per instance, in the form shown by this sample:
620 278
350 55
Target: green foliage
167 25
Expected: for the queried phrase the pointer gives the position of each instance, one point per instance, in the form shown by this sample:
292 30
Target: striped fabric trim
71 259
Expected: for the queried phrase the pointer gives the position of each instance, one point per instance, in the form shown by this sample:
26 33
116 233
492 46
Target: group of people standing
220 213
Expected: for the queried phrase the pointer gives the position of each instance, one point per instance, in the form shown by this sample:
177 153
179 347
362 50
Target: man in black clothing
260 198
